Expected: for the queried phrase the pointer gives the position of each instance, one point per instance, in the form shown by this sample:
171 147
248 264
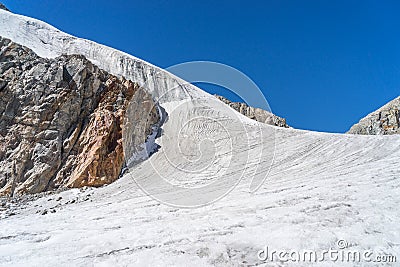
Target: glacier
319 187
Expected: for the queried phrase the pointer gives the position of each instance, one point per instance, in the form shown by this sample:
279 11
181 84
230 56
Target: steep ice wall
49 42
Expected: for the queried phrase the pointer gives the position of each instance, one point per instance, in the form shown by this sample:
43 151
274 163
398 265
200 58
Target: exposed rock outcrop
2 6
61 121
384 121
255 113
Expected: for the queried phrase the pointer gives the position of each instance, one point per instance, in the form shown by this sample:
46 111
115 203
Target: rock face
255 113
3 7
62 121
383 121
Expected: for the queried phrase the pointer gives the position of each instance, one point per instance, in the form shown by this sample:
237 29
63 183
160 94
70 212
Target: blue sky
321 64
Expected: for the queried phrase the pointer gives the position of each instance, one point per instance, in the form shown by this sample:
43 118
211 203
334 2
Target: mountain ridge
256 114
383 121
61 121
2 6
316 190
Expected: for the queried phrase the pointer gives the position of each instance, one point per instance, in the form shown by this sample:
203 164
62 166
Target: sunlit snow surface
320 189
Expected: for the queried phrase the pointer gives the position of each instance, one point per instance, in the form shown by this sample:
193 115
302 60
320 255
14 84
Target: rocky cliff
3 7
385 120
255 113
62 121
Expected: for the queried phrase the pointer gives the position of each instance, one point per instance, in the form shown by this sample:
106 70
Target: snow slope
321 187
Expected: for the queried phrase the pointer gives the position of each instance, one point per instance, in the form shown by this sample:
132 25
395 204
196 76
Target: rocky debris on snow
384 121
62 120
257 114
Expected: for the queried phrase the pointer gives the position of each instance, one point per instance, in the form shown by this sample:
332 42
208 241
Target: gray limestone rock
61 121
384 121
257 114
